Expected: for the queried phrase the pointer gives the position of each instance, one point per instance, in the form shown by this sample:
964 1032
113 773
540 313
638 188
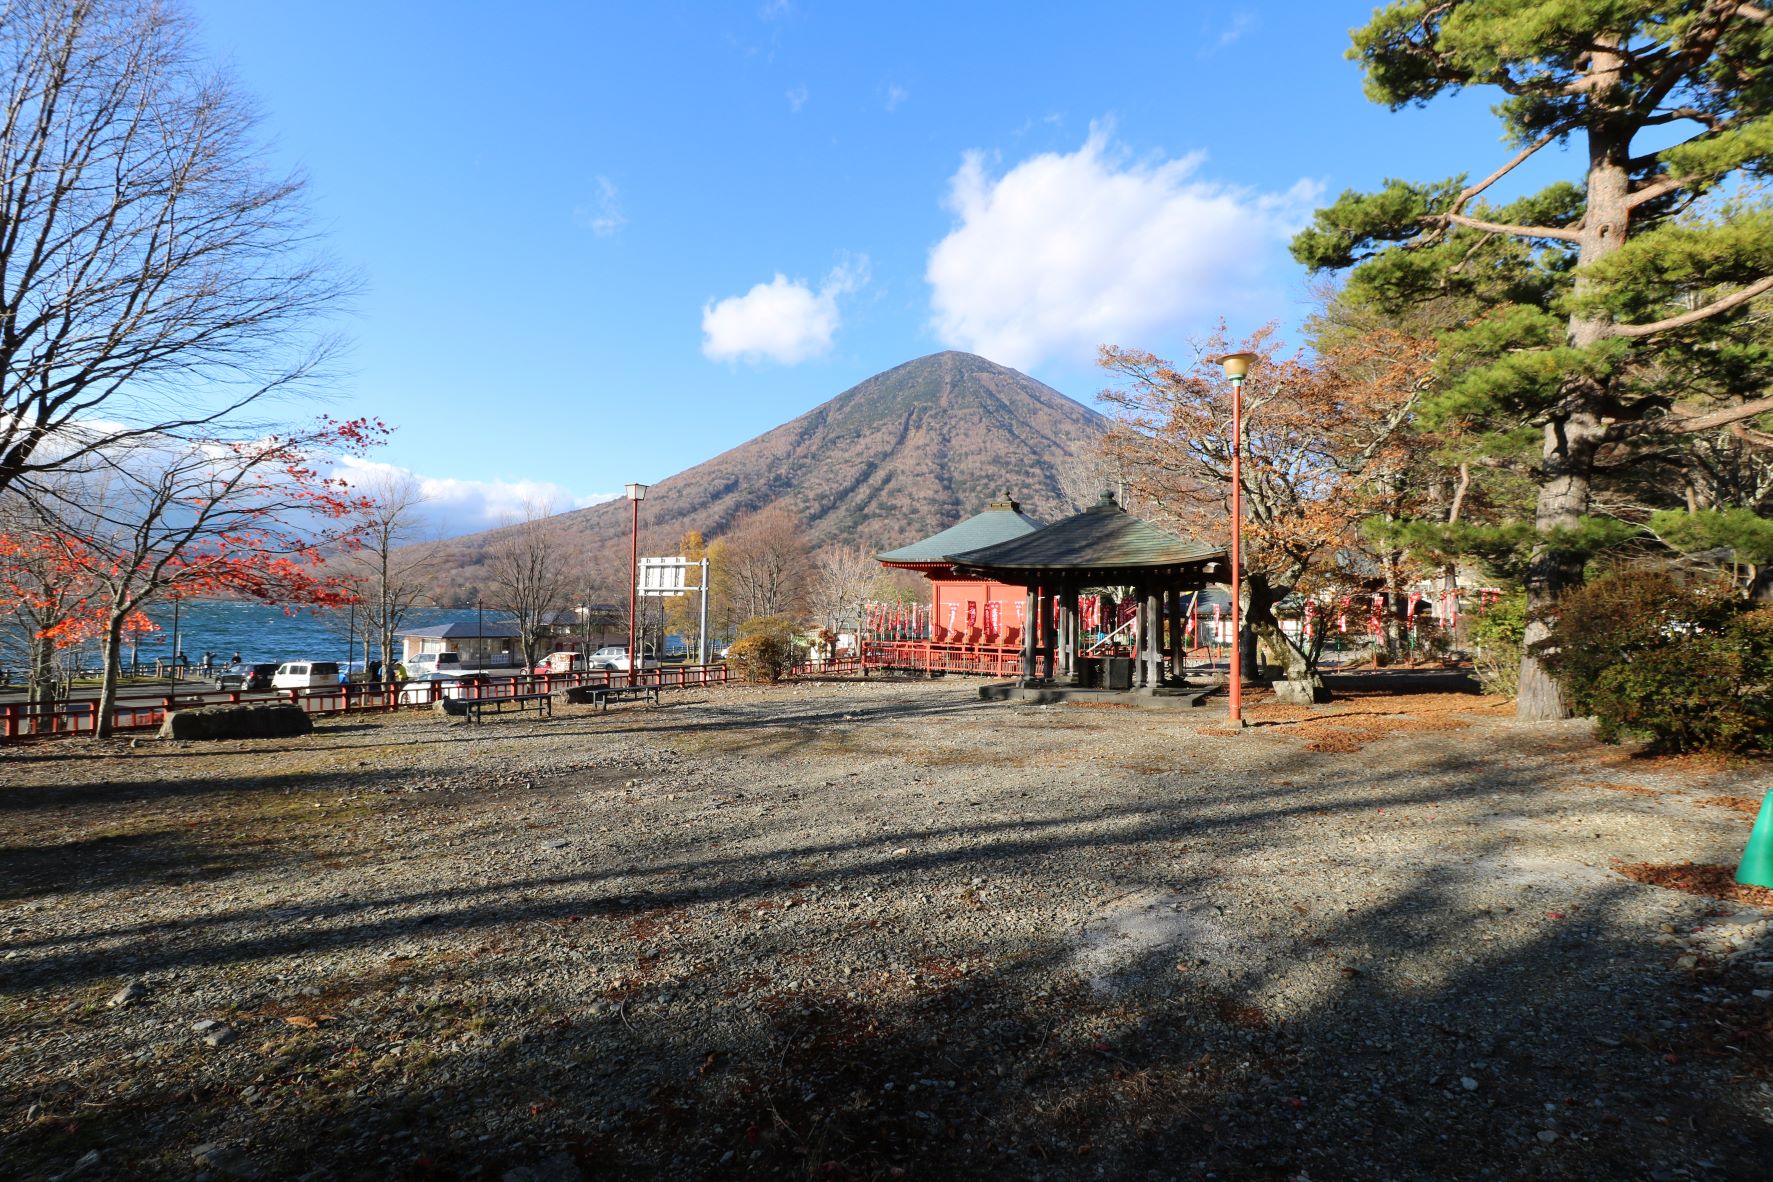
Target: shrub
1686 667
761 658
766 648
1496 638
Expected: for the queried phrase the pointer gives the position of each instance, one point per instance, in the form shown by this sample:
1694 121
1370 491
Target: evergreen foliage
1619 308
1496 638
1650 656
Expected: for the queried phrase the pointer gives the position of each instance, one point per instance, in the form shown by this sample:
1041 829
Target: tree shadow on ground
1288 1033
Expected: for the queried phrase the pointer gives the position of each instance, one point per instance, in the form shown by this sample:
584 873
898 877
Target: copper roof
1104 539
1002 520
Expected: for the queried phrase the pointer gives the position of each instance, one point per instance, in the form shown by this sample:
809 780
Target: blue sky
602 243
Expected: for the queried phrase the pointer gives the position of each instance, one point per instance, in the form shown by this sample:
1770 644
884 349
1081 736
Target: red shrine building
969 609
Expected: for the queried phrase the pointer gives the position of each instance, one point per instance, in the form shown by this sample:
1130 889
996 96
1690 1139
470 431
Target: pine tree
1620 303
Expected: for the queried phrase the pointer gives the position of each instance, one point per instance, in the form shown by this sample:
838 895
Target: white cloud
1066 252
784 320
1242 23
895 94
606 217
453 506
773 9
797 98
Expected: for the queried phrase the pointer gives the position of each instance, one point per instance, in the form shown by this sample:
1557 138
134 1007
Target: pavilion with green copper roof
1002 521
1104 546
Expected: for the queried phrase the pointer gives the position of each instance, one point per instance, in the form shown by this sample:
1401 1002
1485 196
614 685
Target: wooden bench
473 708
604 695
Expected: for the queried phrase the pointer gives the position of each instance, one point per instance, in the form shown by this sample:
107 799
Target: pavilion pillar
1154 646
1068 636
1076 635
1162 649
1178 642
1030 621
1062 661
1140 638
1046 633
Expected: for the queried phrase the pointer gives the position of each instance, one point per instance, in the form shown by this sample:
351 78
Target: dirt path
881 931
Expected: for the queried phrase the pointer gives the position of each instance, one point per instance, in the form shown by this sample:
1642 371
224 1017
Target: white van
306 675
434 663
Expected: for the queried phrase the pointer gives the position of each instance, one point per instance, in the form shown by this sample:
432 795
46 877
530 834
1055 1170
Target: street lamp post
1237 367
636 494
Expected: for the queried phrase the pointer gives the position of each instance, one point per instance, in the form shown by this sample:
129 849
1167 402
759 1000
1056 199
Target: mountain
895 458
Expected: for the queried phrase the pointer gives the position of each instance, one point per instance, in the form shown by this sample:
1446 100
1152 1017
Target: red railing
978 660
19 721
836 667
925 656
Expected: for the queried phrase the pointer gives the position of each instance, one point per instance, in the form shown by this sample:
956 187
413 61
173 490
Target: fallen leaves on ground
1358 718
1711 881
1742 804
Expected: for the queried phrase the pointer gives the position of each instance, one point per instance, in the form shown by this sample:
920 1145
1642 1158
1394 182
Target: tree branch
1734 299
1655 189
1520 157
1558 232
1692 424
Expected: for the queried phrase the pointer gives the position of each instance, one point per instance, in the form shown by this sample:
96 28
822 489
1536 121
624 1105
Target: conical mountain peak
894 458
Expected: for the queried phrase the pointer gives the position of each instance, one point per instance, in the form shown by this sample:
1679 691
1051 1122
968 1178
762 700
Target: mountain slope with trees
892 459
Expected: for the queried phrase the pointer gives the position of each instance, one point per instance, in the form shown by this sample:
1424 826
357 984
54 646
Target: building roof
493 629
1002 520
1103 539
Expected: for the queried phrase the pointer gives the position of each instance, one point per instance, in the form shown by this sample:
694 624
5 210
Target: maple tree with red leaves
1326 445
254 519
51 596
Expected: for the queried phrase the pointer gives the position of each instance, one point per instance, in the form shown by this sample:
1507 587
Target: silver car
615 656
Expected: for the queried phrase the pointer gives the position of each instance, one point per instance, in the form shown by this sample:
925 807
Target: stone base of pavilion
1165 697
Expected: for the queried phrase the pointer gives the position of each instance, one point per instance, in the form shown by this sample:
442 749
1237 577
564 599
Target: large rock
249 720
1301 693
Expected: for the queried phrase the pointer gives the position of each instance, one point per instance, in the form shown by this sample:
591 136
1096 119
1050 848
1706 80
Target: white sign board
664 577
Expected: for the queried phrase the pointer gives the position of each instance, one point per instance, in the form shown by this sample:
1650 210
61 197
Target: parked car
306 675
434 663
430 687
246 677
615 656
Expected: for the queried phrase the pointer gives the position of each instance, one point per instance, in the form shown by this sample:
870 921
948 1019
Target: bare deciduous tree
766 564
843 581
529 578
391 575
152 280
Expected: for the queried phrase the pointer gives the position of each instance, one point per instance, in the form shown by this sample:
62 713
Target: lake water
262 632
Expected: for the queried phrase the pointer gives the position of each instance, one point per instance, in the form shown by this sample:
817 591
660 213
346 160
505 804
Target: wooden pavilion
975 622
1104 546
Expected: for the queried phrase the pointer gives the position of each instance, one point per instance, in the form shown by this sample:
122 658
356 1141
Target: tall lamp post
1237 367
636 494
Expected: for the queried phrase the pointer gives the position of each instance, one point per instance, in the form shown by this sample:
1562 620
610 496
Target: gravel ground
880 931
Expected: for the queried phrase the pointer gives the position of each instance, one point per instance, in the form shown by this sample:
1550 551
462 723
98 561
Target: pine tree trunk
1575 433
1563 498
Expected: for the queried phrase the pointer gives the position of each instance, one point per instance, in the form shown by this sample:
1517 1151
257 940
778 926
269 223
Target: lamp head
636 492
1236 365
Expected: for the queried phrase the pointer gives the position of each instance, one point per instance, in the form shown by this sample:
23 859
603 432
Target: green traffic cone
1756 868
